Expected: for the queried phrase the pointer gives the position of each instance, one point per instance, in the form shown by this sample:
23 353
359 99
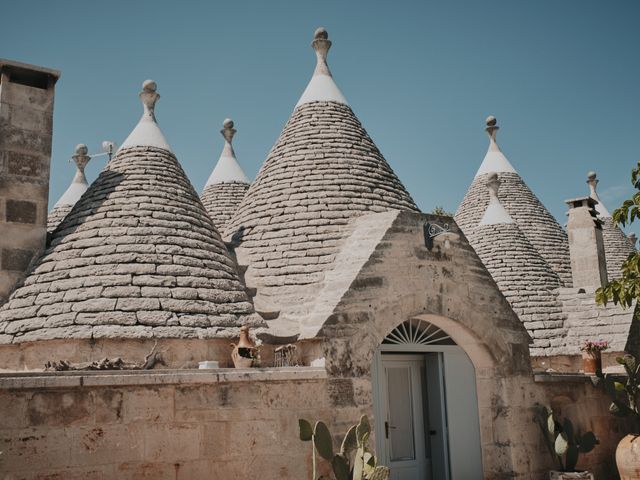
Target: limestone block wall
163 425
26 127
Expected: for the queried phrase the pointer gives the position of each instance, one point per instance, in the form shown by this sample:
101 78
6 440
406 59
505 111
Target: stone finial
321 44
227 130
592 181
493 184
149 97
492 129
81 158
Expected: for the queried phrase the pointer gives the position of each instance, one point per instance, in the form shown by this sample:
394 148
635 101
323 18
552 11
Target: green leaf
562 444
588 441
350 441
363 429
305 430
571 459
322 440
619 387
567 428
340 467
551 424
380 473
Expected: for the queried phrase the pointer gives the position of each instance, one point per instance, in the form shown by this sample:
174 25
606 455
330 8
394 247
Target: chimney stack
586 247
26 127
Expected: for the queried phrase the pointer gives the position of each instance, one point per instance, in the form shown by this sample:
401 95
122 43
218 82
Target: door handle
387 427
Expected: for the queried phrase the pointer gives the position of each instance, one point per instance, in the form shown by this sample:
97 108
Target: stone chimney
586 247
26 126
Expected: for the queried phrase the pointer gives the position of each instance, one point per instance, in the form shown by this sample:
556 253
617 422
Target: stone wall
161 425
218 425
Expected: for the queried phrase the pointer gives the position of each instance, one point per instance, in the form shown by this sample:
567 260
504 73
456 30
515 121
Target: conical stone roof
540 228
523 276
78 186
617 246
137 257
323 171
227 184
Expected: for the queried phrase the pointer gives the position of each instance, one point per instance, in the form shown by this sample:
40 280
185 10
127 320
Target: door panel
404 419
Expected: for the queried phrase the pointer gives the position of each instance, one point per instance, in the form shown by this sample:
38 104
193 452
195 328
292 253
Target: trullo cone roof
617 245
77 188
536 223
227 184
323 171
138 256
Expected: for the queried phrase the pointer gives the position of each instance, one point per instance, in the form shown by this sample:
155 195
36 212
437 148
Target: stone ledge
47 380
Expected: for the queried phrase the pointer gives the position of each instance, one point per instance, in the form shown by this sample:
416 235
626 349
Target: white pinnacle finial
495 212
494 160
149 97
321 88
79 183
321 44
147 133
593 181
227 169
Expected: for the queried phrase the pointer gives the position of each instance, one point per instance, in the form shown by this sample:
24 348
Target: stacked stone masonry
526 281
535 221
323 170
221 201
137 257
56 216
617 247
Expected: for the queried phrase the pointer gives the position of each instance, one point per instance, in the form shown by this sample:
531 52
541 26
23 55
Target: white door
403 382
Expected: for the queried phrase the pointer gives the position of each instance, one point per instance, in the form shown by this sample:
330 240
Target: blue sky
562 77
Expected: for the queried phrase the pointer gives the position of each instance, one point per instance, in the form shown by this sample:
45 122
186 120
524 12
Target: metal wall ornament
418 332
433 230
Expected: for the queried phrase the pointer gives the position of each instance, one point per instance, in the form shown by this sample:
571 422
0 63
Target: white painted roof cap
494 160
495 213
147 133
79 183
227 169
592 181
321 88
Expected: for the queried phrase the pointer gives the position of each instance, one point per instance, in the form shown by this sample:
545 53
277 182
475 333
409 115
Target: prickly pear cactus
363 465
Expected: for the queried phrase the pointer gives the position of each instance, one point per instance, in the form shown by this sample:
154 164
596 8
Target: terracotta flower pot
554 475
592 362
628 457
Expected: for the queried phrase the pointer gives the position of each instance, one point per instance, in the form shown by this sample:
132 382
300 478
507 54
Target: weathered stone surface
617 247
534 220
137 234
221 201
323 171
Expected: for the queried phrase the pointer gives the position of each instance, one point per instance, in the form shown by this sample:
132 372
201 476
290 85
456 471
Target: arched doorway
426 406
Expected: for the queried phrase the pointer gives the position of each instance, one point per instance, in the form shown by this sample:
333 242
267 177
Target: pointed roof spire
321 88
494 160
592 181
77 188
227 169
495 212
79 184
147 133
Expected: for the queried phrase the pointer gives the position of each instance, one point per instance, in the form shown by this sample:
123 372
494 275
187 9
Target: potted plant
625 404
564 444
592 356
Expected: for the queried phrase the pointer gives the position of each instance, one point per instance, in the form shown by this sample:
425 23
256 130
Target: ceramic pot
591 362
554 475
244 353
628 457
